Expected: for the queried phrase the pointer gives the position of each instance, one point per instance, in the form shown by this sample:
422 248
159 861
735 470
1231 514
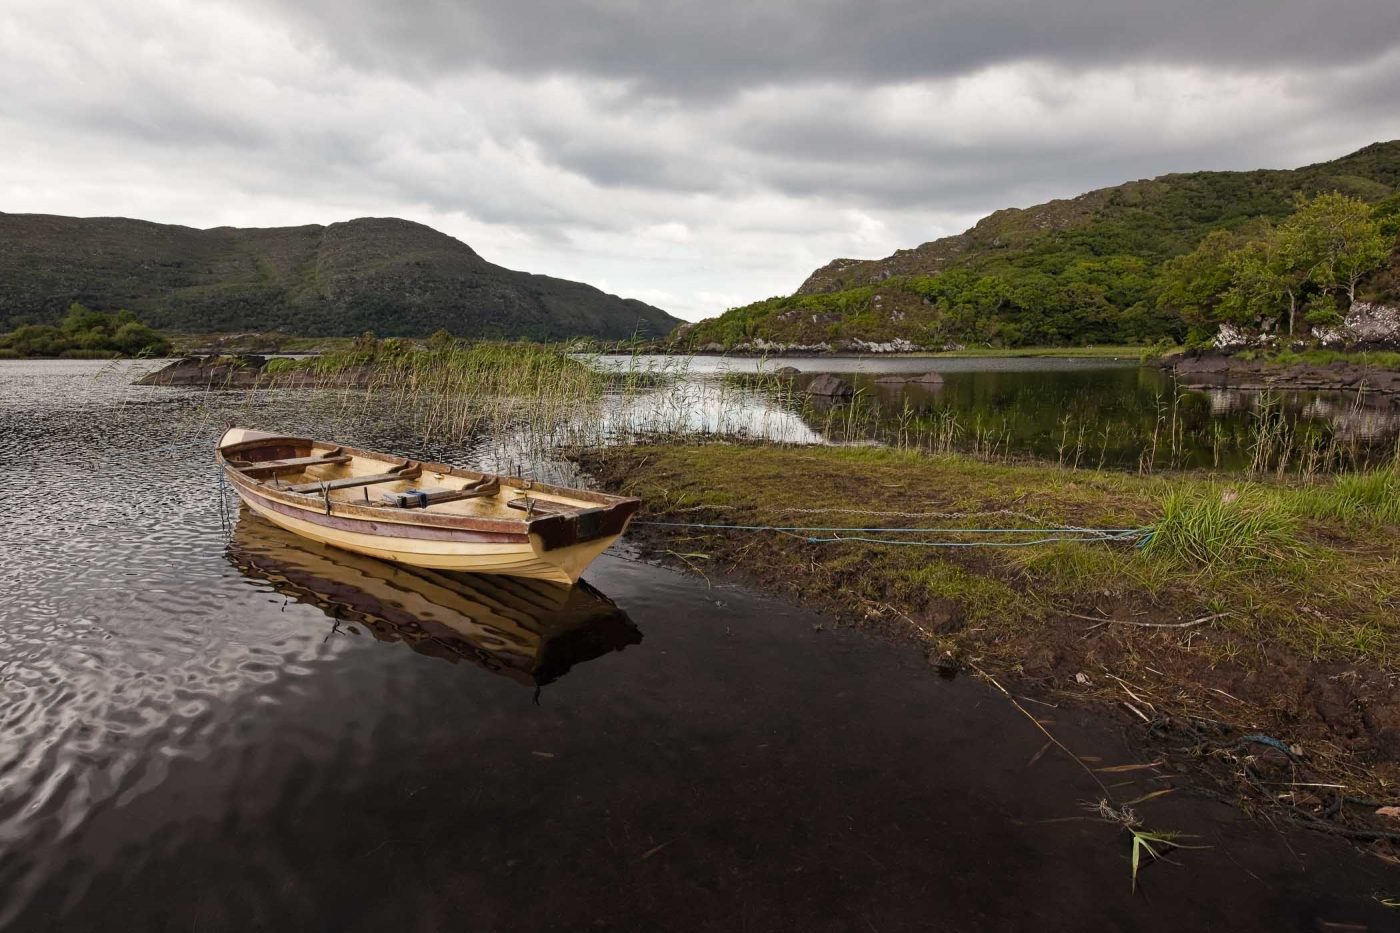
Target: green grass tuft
1373 496
1219 528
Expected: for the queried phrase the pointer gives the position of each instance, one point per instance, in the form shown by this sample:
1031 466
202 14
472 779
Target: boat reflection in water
532 631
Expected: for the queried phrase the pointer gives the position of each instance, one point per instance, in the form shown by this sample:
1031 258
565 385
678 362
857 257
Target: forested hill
1077 271
393 277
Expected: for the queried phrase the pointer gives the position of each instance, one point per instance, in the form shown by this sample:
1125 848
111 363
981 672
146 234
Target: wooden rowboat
531 631
423 514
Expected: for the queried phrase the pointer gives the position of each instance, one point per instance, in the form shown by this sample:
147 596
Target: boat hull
517 558
557 543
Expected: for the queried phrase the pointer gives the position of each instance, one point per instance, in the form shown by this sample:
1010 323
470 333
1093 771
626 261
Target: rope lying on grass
834 535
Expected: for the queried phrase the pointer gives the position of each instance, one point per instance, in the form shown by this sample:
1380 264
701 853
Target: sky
697 156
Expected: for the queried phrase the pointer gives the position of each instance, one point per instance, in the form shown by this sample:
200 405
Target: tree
1386 214
1337 239
1192 285
136 339
1261 285
80 319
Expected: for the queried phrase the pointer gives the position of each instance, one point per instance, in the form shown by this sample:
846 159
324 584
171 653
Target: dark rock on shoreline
231 372
829 386
249 372
1196 369
928 380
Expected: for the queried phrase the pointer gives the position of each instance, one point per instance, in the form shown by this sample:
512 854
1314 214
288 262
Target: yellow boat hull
427 515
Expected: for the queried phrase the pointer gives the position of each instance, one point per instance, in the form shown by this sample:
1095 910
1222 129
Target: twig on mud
740 556
1126 689
1370 835
921 630
1048 734
1140 713
1202 620
684 560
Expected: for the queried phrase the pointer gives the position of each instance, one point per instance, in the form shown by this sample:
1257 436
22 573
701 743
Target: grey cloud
685 48
780 134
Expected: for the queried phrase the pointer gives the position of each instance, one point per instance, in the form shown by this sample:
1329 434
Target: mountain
394 277
1075 271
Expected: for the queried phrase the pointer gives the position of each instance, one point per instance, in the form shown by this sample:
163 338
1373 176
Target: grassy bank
1270 608
1376 359
1113 351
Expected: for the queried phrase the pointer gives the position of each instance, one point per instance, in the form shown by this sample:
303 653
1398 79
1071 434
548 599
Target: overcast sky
694 155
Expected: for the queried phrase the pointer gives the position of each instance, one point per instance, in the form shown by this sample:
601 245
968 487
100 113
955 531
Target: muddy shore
1250 713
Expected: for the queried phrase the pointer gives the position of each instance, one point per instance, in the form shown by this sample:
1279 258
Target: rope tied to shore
836 535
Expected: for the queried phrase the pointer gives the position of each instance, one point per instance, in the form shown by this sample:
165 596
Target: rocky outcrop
214 372
897 345
929 379
761 347
828 386
1197 370
1367 324
1231 337
251 372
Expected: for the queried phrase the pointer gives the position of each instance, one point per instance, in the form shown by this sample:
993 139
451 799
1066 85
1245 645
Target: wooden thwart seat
413 499
405 471
294 465
541 506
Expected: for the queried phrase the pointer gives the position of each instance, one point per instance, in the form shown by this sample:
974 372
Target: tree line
86 334
1272 278
1110 281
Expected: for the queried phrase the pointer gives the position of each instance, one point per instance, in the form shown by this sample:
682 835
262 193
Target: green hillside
391 276
1079 271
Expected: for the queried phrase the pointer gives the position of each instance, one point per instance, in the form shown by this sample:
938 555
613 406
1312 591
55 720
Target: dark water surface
209 732
1085 412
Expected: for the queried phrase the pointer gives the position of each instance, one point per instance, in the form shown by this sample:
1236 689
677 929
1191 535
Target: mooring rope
225 520
905 542
837 510
833 535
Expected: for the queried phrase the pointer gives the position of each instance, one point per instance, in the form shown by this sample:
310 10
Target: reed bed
527 400
447 390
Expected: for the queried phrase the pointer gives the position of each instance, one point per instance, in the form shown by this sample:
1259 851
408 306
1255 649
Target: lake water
207 726
1087 412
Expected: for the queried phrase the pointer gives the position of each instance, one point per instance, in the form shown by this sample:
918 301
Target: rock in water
887 379
787 372
227 372
829 386
928 379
